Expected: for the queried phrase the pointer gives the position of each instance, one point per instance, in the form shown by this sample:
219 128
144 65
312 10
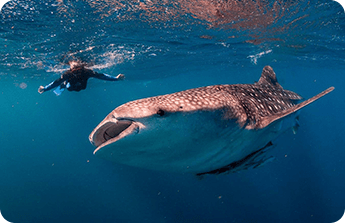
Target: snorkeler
75 79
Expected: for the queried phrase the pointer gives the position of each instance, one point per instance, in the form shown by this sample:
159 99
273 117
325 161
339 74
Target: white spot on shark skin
2 219
342 3
342 219
2 3
221 128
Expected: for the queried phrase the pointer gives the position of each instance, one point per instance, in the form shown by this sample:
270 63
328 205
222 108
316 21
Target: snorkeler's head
75 64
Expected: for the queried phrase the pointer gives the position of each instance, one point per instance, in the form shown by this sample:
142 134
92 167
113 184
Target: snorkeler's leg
108 77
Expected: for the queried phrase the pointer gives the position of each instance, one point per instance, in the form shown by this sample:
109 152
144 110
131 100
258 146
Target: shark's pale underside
206 130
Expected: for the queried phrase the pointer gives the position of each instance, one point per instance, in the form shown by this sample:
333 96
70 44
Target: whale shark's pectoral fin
269 119
252 161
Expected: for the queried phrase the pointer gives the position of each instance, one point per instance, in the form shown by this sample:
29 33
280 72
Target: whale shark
207 130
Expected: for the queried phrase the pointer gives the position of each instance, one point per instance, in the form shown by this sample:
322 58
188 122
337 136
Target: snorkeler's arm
107 77
53 84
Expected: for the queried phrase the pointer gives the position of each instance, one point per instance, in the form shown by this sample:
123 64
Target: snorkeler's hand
120 77
41 89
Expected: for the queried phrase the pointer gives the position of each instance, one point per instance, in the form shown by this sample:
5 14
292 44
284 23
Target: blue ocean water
48 172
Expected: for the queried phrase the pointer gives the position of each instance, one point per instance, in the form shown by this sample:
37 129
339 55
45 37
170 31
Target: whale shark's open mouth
112 131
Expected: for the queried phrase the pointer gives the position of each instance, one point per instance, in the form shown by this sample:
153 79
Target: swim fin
58 91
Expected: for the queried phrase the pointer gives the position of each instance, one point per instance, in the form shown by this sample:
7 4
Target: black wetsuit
76 79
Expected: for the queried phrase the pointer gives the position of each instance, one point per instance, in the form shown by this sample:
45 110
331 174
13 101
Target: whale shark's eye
160 112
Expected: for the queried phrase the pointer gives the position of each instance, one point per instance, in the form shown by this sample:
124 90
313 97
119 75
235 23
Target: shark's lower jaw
113 130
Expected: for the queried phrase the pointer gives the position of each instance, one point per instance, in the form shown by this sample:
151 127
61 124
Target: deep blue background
48 172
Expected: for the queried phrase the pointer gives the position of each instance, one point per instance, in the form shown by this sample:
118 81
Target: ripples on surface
153 35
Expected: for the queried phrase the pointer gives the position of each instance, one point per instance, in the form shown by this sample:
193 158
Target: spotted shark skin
206 130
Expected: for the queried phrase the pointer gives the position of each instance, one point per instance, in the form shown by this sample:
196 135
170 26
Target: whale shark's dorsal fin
269 119
268 77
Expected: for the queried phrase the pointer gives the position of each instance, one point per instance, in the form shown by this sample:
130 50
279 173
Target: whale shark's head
202 130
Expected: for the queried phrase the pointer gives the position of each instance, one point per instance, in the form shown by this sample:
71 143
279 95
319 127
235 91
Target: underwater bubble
23 85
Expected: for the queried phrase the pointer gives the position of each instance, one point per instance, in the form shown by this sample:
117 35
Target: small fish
207 130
